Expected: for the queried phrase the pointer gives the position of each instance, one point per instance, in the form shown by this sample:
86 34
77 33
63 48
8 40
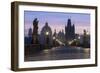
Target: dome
46 33
46 28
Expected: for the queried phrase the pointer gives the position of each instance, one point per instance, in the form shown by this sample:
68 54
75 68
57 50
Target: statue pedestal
35 40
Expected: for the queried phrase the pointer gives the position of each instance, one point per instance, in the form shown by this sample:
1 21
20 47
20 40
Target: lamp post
54 41
79 37
47 39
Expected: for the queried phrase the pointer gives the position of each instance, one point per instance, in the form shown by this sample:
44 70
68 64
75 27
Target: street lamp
47 39
54 41
53 38
47 33
79 37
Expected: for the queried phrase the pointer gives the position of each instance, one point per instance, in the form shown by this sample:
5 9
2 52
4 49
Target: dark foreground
59 53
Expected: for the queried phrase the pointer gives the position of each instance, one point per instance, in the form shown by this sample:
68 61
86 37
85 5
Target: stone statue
35 26
85 42
35 31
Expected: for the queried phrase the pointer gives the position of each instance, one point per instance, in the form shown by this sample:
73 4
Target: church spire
69 23
46 23
73 31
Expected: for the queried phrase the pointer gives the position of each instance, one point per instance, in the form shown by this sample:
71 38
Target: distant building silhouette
69 31
46 35
30 32
61 36
28 39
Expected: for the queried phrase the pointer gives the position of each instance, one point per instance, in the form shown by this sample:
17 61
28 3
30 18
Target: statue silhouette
35 26
35 31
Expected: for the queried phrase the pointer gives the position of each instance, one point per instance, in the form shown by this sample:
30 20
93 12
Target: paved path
60 53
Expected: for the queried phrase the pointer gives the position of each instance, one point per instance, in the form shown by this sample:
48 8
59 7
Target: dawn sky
57 20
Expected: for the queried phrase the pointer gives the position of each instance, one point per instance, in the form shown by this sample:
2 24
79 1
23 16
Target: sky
57 20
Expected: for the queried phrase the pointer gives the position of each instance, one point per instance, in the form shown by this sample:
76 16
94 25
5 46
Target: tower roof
69 23
46 28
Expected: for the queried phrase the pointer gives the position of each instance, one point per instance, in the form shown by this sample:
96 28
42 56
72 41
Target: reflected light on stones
46 51
86 50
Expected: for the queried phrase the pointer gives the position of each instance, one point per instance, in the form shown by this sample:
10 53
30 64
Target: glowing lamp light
87 33
69 42
79 37
47 33
53 37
